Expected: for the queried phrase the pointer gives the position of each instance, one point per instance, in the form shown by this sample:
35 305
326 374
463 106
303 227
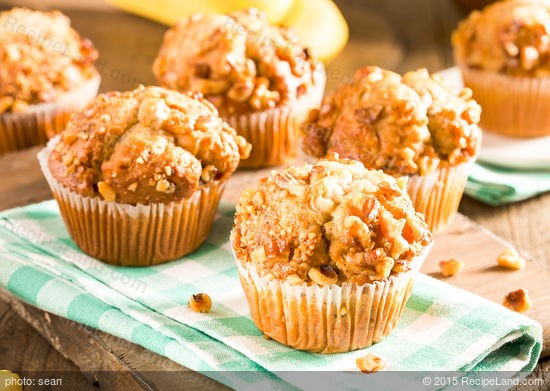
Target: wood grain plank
109 362
34 353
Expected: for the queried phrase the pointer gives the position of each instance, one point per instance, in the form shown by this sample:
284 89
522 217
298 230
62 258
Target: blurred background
396 34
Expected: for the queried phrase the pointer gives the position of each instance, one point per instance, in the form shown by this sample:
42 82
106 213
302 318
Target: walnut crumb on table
511 259
370 363
518 301
451 267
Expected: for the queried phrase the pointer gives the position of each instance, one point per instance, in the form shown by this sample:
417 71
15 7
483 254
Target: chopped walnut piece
511 259
324 275
5 103
518 301
451 267
200 302
370 363
106 191
165 186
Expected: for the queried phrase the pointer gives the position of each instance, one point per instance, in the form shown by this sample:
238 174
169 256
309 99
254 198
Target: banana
318 23
320 26
170 11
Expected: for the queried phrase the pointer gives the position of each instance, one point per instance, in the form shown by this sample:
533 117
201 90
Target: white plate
532 153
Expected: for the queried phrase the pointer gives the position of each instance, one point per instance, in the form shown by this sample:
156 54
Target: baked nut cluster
511 37
32 42
149 145
328 223
238 61
404 125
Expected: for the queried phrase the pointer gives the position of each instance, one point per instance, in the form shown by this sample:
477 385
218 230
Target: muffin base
438 195
513 106
331 318
275 133
41 122
134 235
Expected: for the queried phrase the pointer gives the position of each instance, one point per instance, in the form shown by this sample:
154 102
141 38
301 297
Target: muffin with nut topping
408 126
261 79
138 175
503 52
47 72
327 253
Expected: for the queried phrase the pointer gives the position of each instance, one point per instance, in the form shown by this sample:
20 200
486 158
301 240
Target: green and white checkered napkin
498 185
442 327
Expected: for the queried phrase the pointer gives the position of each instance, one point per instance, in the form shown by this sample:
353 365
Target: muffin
504 54
327 254
260 78
138 175
410 126
47 72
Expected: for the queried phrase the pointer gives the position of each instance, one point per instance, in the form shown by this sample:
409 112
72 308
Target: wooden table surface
394 34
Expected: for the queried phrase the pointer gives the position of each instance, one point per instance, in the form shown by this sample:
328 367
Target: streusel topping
511 37
402 125
41 58
331 222
238 61
146 145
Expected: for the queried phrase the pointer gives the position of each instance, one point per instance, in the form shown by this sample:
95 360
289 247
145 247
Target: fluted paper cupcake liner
438 195
275 133
330 318
43 121
140 235
513 106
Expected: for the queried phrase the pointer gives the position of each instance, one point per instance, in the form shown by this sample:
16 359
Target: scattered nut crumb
200 302
451 267
370 363
511 259
518 301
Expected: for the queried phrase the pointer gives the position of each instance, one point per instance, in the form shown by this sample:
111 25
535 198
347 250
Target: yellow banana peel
170 11
320 26
318 23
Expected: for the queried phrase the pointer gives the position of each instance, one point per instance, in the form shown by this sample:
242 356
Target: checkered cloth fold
442 327
499 186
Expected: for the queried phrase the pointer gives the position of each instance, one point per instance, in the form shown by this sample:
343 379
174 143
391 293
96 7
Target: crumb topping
511 37
146 145
238 61
403 125
330 222
41 58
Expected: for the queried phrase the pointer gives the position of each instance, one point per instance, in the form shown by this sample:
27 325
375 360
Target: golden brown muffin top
149 145
402 125
41 58
238 61
333 220
511 37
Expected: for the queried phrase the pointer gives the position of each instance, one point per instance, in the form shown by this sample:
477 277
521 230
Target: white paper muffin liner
437 196
275 133
43 121
128 235
513 106
330 318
